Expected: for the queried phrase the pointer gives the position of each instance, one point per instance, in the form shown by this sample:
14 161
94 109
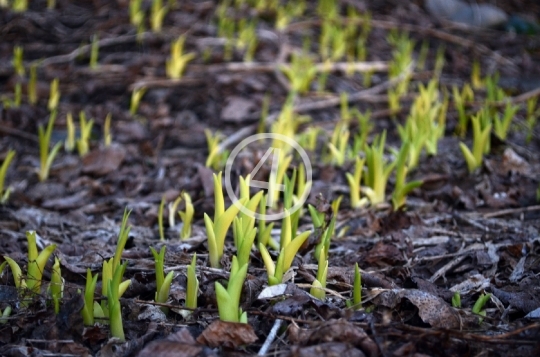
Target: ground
468 232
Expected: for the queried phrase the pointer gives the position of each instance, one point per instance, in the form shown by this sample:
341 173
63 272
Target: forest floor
460 233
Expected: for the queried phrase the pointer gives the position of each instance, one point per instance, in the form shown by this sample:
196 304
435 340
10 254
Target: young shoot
186 217
288 248
94 52
163 283
300 72
319 284
177 63
88 308
228 300
475 158
354 181
136 97
107 135
378 170
5 192
501 126
192 284
83 143
217 229
157 14
54 96
69 143
402 188
56 288
46 157
32 85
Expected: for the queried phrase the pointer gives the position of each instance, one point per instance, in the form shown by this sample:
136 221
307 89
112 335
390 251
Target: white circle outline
246 142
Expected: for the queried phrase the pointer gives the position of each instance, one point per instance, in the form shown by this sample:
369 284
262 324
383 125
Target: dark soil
478 230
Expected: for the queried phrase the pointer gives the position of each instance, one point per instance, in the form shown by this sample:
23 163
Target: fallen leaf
431 309
103 161
227 334
237 109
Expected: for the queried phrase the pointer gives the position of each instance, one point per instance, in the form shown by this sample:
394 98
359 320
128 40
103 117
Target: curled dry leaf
431 309
179 344
103 161
333 334
227 334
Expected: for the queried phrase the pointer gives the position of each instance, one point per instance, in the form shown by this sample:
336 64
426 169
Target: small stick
271 337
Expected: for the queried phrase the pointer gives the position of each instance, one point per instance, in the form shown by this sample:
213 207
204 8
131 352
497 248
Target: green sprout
460 98
326 237
54 96
365 126
69 143
51 4
286 13
176 64
5 315
502 125
401 61
45 157
338 144
228 300
402 188
316 217
136 97
244 230
247 38
57 285
476 76
86 132
32 85
107 136
94 52
480 141
288 248
357 288
216 155
456 300
113 299
300 72
217 229
192 284
378 170
136 15
264 229
18 95
479 305
354 181
157 14
110 268
20 5
163 283
35 269
187 217
319 284
308 138
88 308
531 117
4 193
18 61
494 93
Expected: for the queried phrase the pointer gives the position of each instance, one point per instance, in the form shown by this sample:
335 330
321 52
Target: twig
505 212
270 338
113 41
